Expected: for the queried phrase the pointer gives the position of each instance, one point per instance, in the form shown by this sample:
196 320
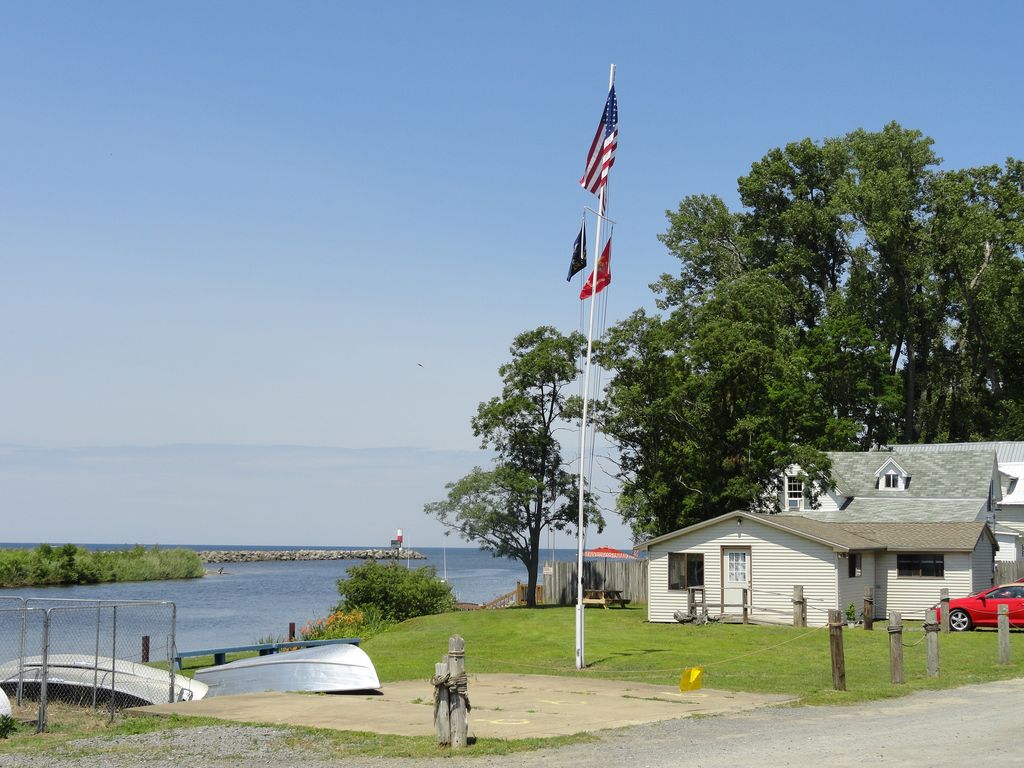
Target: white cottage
767 555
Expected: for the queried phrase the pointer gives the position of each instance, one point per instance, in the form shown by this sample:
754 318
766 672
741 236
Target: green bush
396 592
8 725
71 564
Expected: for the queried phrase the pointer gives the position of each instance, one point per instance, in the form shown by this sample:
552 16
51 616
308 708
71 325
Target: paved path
504 706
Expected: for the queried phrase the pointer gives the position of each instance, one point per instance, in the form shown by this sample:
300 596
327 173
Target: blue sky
230 231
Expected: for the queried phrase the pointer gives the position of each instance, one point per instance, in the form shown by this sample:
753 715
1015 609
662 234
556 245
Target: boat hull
324 669
71 678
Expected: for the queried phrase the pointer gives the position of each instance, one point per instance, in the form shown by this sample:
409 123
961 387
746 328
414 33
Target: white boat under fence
325 668
85 679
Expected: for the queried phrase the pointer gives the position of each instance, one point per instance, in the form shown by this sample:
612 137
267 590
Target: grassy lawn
620 644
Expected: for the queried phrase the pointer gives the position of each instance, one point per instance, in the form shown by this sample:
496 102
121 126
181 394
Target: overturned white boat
324 668
85 679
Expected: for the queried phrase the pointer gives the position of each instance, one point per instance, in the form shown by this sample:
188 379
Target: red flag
601 156
604 273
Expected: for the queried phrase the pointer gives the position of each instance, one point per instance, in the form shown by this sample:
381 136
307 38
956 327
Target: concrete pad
503 706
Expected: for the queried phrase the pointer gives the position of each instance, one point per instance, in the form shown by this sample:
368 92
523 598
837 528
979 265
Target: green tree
506 509
860 295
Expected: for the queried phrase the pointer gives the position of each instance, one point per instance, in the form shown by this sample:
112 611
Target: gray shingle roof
949 474
906 510
1007 451
897 536
920 537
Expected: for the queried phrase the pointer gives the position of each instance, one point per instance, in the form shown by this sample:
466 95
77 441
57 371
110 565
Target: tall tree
506 509
860 295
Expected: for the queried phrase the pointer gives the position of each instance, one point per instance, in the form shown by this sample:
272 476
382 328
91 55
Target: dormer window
892 477
794 493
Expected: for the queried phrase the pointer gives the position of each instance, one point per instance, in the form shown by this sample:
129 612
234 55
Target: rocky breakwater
261 555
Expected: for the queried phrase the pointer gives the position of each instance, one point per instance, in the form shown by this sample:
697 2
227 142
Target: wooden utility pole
1004 634
835 637
869 608
931 636
799 607
895 647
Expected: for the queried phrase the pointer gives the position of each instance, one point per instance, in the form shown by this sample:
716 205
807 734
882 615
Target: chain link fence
90 653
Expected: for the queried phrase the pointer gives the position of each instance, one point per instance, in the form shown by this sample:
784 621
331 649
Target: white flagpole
581 528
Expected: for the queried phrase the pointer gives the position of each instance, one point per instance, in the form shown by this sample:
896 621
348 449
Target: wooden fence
1009 570
627 576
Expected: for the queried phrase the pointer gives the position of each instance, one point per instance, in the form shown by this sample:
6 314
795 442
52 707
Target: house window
853 565
685 569
794 492
928 565
891 480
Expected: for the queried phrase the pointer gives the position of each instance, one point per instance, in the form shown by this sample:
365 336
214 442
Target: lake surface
253 601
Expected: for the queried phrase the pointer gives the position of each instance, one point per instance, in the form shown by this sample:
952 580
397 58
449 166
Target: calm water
251 601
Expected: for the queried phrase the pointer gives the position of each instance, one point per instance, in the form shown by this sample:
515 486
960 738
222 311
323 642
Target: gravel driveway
939 729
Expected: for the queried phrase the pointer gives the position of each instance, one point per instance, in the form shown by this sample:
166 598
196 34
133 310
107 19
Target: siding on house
851 590
982 566
914 595
778 561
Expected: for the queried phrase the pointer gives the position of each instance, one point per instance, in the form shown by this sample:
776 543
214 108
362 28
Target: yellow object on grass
692 679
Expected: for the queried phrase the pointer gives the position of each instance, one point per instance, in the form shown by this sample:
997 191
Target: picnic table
604 597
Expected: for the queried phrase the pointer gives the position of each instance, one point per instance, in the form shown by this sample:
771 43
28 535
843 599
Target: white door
736 568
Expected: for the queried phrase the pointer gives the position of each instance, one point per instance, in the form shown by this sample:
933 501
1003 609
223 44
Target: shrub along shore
70 564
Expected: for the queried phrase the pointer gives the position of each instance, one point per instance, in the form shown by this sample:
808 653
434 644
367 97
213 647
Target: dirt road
974 725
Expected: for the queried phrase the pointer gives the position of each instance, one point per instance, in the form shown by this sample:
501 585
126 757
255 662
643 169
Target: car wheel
959 621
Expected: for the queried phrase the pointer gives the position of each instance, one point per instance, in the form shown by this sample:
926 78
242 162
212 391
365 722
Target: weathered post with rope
799 607
869 608
835 637
451 698
931 636
1004 633
944 610
895 647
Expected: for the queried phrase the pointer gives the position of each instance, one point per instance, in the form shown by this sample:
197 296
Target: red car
982 608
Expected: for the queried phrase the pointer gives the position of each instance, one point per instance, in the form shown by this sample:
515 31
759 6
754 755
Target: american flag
602 151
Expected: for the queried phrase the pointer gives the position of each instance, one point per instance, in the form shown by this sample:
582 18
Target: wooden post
869 608
691 602
746 597
895 647
931 636
944 608
1004 634
145 649
799 607
442 721
835 638
459 703
291 631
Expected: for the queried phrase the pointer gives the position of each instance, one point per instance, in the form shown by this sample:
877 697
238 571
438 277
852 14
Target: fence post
451 702
171 649
869 608
442 720
1004 634
944 608
931 635
460 704
799 607
691 602
113 664
145 649
291 631
746 597
835 638
895 647
45 671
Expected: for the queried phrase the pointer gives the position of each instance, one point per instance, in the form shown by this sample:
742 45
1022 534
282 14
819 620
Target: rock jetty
260 555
